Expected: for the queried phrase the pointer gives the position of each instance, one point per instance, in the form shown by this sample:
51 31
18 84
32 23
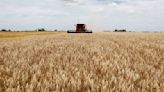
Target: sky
99 15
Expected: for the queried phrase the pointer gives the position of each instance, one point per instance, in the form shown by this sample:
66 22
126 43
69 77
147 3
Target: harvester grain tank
80 28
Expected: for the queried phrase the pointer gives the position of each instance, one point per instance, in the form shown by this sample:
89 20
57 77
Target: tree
123 30
9 30
115 30
4 30
42 29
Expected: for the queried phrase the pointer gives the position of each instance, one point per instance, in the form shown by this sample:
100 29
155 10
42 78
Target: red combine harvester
80 28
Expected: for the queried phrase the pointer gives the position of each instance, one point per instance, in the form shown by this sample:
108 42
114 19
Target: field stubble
99 62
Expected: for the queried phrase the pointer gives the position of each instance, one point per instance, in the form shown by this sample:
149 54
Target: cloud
73 1
98 14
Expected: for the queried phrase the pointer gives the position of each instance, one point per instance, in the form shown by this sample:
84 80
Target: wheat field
98 62
20 35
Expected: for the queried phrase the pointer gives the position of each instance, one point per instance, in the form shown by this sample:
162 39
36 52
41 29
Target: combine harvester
80 28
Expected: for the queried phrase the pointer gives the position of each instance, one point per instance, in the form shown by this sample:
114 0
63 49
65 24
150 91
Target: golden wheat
99 62
19 35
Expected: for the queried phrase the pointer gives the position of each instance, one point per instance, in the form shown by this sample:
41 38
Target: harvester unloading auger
80 28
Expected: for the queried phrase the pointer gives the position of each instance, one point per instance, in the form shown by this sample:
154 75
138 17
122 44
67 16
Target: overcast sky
135 15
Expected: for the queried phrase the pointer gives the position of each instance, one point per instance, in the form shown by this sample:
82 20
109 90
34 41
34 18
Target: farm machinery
80 28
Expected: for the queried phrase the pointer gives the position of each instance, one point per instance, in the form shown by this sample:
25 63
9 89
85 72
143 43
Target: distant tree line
121 30
37 30
41 30
5 30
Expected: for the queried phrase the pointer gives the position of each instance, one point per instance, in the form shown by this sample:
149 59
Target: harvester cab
80 28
